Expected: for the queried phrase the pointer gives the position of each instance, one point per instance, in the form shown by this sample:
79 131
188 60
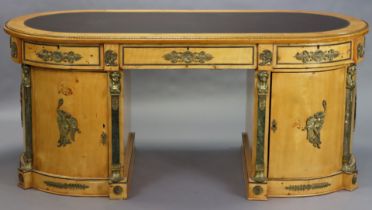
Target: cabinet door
70 123
307 119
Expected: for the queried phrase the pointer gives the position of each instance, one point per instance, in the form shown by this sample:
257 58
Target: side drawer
63 56
321 55
206 57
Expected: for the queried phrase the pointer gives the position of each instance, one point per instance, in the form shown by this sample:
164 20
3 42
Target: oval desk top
191 25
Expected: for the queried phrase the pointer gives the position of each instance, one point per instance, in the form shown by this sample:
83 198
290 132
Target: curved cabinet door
307 119
70 123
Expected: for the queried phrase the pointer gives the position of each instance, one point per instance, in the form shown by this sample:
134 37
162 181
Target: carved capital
26 76
262 87
351 77
115 86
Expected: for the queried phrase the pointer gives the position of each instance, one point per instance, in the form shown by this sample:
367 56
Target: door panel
306 106
70 118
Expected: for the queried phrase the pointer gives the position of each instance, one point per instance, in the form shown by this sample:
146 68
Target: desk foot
24 179
350 181
119 191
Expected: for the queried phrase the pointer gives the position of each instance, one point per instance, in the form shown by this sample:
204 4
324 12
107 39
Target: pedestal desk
301 83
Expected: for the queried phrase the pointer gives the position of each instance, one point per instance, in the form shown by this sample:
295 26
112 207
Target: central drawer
176 57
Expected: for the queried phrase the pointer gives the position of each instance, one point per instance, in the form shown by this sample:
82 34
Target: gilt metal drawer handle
317 56
314 125
58 56
188 57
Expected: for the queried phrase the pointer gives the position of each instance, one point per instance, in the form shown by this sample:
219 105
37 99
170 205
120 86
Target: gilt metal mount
13 49
318 56
111 58
67 126
306 187
188 57
58 56
266 57
314 125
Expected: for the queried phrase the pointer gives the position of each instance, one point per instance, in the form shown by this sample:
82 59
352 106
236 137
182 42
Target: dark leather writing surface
183 22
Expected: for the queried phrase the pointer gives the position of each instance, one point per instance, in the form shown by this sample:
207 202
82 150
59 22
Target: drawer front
142 57
62 56
299 56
